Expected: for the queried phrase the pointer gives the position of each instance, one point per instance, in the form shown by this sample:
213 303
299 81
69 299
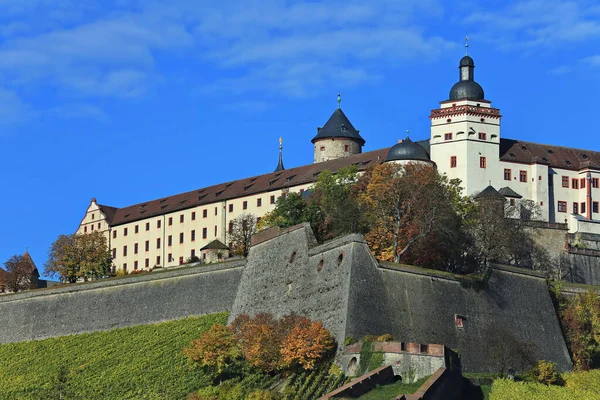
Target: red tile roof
243 187
554 156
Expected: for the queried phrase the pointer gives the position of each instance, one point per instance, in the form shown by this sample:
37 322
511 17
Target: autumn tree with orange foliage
215 350
306 343
410 208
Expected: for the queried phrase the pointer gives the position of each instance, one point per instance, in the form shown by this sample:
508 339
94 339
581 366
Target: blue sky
128 100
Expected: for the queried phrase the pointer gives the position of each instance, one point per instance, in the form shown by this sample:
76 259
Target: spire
280 166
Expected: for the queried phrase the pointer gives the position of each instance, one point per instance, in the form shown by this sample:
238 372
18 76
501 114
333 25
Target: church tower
337 138
465 133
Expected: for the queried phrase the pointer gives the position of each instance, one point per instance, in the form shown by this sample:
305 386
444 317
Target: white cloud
592 61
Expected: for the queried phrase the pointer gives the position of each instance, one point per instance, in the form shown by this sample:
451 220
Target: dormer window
344 128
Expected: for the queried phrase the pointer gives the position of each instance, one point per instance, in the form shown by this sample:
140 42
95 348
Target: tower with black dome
337 138
465 133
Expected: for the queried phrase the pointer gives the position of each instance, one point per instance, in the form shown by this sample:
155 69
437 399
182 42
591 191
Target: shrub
581 322
262 394
349 340
544 372
214 350
369 338
386 337
505 389
307 343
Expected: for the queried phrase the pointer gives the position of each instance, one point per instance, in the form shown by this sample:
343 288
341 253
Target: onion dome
407 150
466 88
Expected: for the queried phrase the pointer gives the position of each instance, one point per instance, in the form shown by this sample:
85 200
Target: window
93 216
447 136
595 207
147 226
272 199
258 202
216 210
193 215
583 208
512 202
136 229
565 181
135 248
170 240
124 251
147 245
85 229
257 220
193 253
204 213
158 243
482 162
245 205
575 208
170 221
322 148
204 233
522 176
346 148
92 227
193 233
157 260
562 206
114 253
114 234
170 257
582 183
230 226
575 183
459 321
453 162
231 208
507 174
147 263
215 230
135 265
125 232
158 223
595 183
482 136
99 225
180 260
181 237
181 219
124 266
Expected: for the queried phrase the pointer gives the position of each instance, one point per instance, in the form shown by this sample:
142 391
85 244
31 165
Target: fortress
465 142
338 282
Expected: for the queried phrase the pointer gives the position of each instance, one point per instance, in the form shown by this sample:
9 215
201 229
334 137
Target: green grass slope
140 362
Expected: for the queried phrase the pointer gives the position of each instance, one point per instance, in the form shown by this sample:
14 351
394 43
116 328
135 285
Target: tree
289 211
19 274
406 206
307 342
79 256
215 350
243 228
259 338
581 322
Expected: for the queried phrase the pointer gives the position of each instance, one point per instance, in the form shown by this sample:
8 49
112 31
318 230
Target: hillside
141 362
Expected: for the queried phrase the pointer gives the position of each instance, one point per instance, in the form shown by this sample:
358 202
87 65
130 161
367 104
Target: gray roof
407 150
215 245
466 90
338 126
508 192
280 166
488 193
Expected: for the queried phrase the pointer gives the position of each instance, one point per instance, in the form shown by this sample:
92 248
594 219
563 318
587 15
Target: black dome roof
466 90
338 126
407 150
466 61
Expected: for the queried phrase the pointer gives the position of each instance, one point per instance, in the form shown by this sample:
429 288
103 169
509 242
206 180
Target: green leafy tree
79 256
581 322
289 211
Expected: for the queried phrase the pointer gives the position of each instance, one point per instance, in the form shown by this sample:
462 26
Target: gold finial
467 45
280 143
339 100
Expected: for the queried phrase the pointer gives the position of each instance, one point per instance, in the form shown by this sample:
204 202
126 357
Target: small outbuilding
215 251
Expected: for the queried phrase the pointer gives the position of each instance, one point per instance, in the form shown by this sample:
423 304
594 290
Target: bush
386 337
262 394
544 372
505 389
349 340
369 338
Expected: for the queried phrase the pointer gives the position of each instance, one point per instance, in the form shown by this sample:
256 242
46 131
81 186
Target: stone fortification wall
421 306
119 302
291 274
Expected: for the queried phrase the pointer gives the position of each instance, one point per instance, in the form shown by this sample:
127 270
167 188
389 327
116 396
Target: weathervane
339 100
280 143
467 45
